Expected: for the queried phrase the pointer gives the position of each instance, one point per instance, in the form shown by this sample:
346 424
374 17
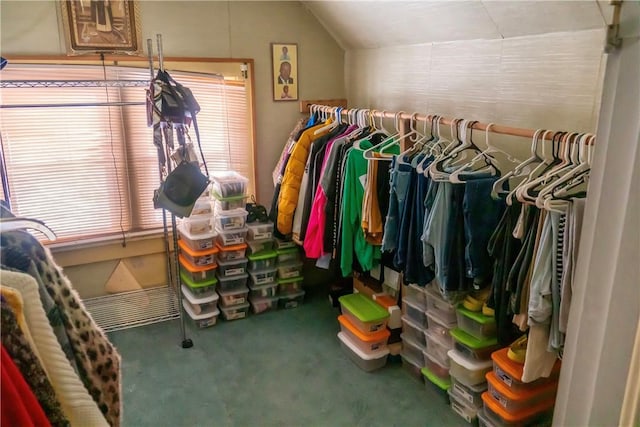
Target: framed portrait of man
284 67
101 26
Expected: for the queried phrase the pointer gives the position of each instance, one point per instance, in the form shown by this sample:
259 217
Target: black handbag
180 190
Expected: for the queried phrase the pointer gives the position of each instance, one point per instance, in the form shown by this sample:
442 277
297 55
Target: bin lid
385 301
291 280
231 248
468 364
476 317
227 199
471 341
263 255
442 384
516 417
363 308
287 250
514 369
191 252
190 283
524 394
194 299
376 336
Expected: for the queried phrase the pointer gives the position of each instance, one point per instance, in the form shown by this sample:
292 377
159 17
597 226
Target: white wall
215 29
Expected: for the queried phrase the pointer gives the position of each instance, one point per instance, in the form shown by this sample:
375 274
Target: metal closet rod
79 104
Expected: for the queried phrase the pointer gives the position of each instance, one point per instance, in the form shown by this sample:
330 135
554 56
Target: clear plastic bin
260 230
472 395
229 184
461 407
510 372
231 237
230 220
230 253
290 255
411 348
438 347
205 258
228 203
469 372
513 401
441 371
233 283
440 327
415 294
198 242
262 261
200 303
284 244
197 274
539 415
414 331
412 366
290 300
473 347
440 306
264 277
263 291
203 289
236 297
202 206
287 271
233 267
433 382
366 343
198 224
415 313
262 305
259 246
476 324
289 286
235 312
202 320
364 313
368 362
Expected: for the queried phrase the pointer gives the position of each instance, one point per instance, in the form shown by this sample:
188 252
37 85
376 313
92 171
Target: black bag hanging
180 190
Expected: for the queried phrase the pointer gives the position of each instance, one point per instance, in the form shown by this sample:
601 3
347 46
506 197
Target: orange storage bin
203 258
531 415
368 343
513 401
510 372
232 252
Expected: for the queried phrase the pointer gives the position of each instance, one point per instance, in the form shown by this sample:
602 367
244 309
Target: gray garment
557 224
331 163
572 235
542 277
434 234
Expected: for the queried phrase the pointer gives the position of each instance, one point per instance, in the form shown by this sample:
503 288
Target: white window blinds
89 171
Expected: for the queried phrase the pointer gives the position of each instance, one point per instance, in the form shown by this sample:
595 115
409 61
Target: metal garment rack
173 291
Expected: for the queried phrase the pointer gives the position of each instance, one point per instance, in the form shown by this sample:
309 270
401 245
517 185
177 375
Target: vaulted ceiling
372 24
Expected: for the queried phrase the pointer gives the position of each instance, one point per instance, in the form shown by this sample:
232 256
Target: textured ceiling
372 24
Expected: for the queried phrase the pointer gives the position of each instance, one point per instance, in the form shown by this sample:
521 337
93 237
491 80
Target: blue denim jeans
398 190
415 269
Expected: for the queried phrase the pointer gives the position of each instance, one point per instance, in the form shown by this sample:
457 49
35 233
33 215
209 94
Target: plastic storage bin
439 306
200 303
411 348
438 369
229 184
202 289
414 312
415 294
198 224
462 408
469 372
289 286
476 324
289 270
434 382
539 414
438 347
262 305
231 237
232 267
367 343
291 300
289 255
232 283
513 401
263 291
263 277
199 242
202 206
284 244
262 261
233 252
239 311
440 327
412 366
414 331
473 347
202 320
363 313
510 372
395 314
260 230
259 246
483 420
230 220
228 203
203 258
472 395
197 274
366 361
236 297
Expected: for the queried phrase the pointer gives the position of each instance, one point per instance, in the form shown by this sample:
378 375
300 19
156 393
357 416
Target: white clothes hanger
332 124
11 224
390 141
524 167
536 169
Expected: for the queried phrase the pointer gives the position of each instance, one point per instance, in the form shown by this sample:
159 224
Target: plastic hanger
431 144
580 174
385 143
461 152
377 131
11 224
535 164
541 171
518 171
331 124
416 138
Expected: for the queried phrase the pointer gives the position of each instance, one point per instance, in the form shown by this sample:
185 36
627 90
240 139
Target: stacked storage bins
364 335
510 402
230 217
414 325
289 267
441 319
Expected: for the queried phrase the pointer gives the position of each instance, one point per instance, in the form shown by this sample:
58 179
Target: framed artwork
101 26
284 68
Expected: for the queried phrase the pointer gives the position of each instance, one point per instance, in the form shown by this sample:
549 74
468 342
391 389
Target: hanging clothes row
58 366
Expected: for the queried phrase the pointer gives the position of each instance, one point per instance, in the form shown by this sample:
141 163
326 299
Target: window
90 171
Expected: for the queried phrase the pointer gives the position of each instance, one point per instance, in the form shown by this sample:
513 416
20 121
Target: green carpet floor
283 368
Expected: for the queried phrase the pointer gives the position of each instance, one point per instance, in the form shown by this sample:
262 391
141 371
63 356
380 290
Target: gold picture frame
101 26
284 71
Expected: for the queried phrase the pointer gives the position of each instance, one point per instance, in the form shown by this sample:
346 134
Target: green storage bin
364 313
472 347
264 260
201 289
